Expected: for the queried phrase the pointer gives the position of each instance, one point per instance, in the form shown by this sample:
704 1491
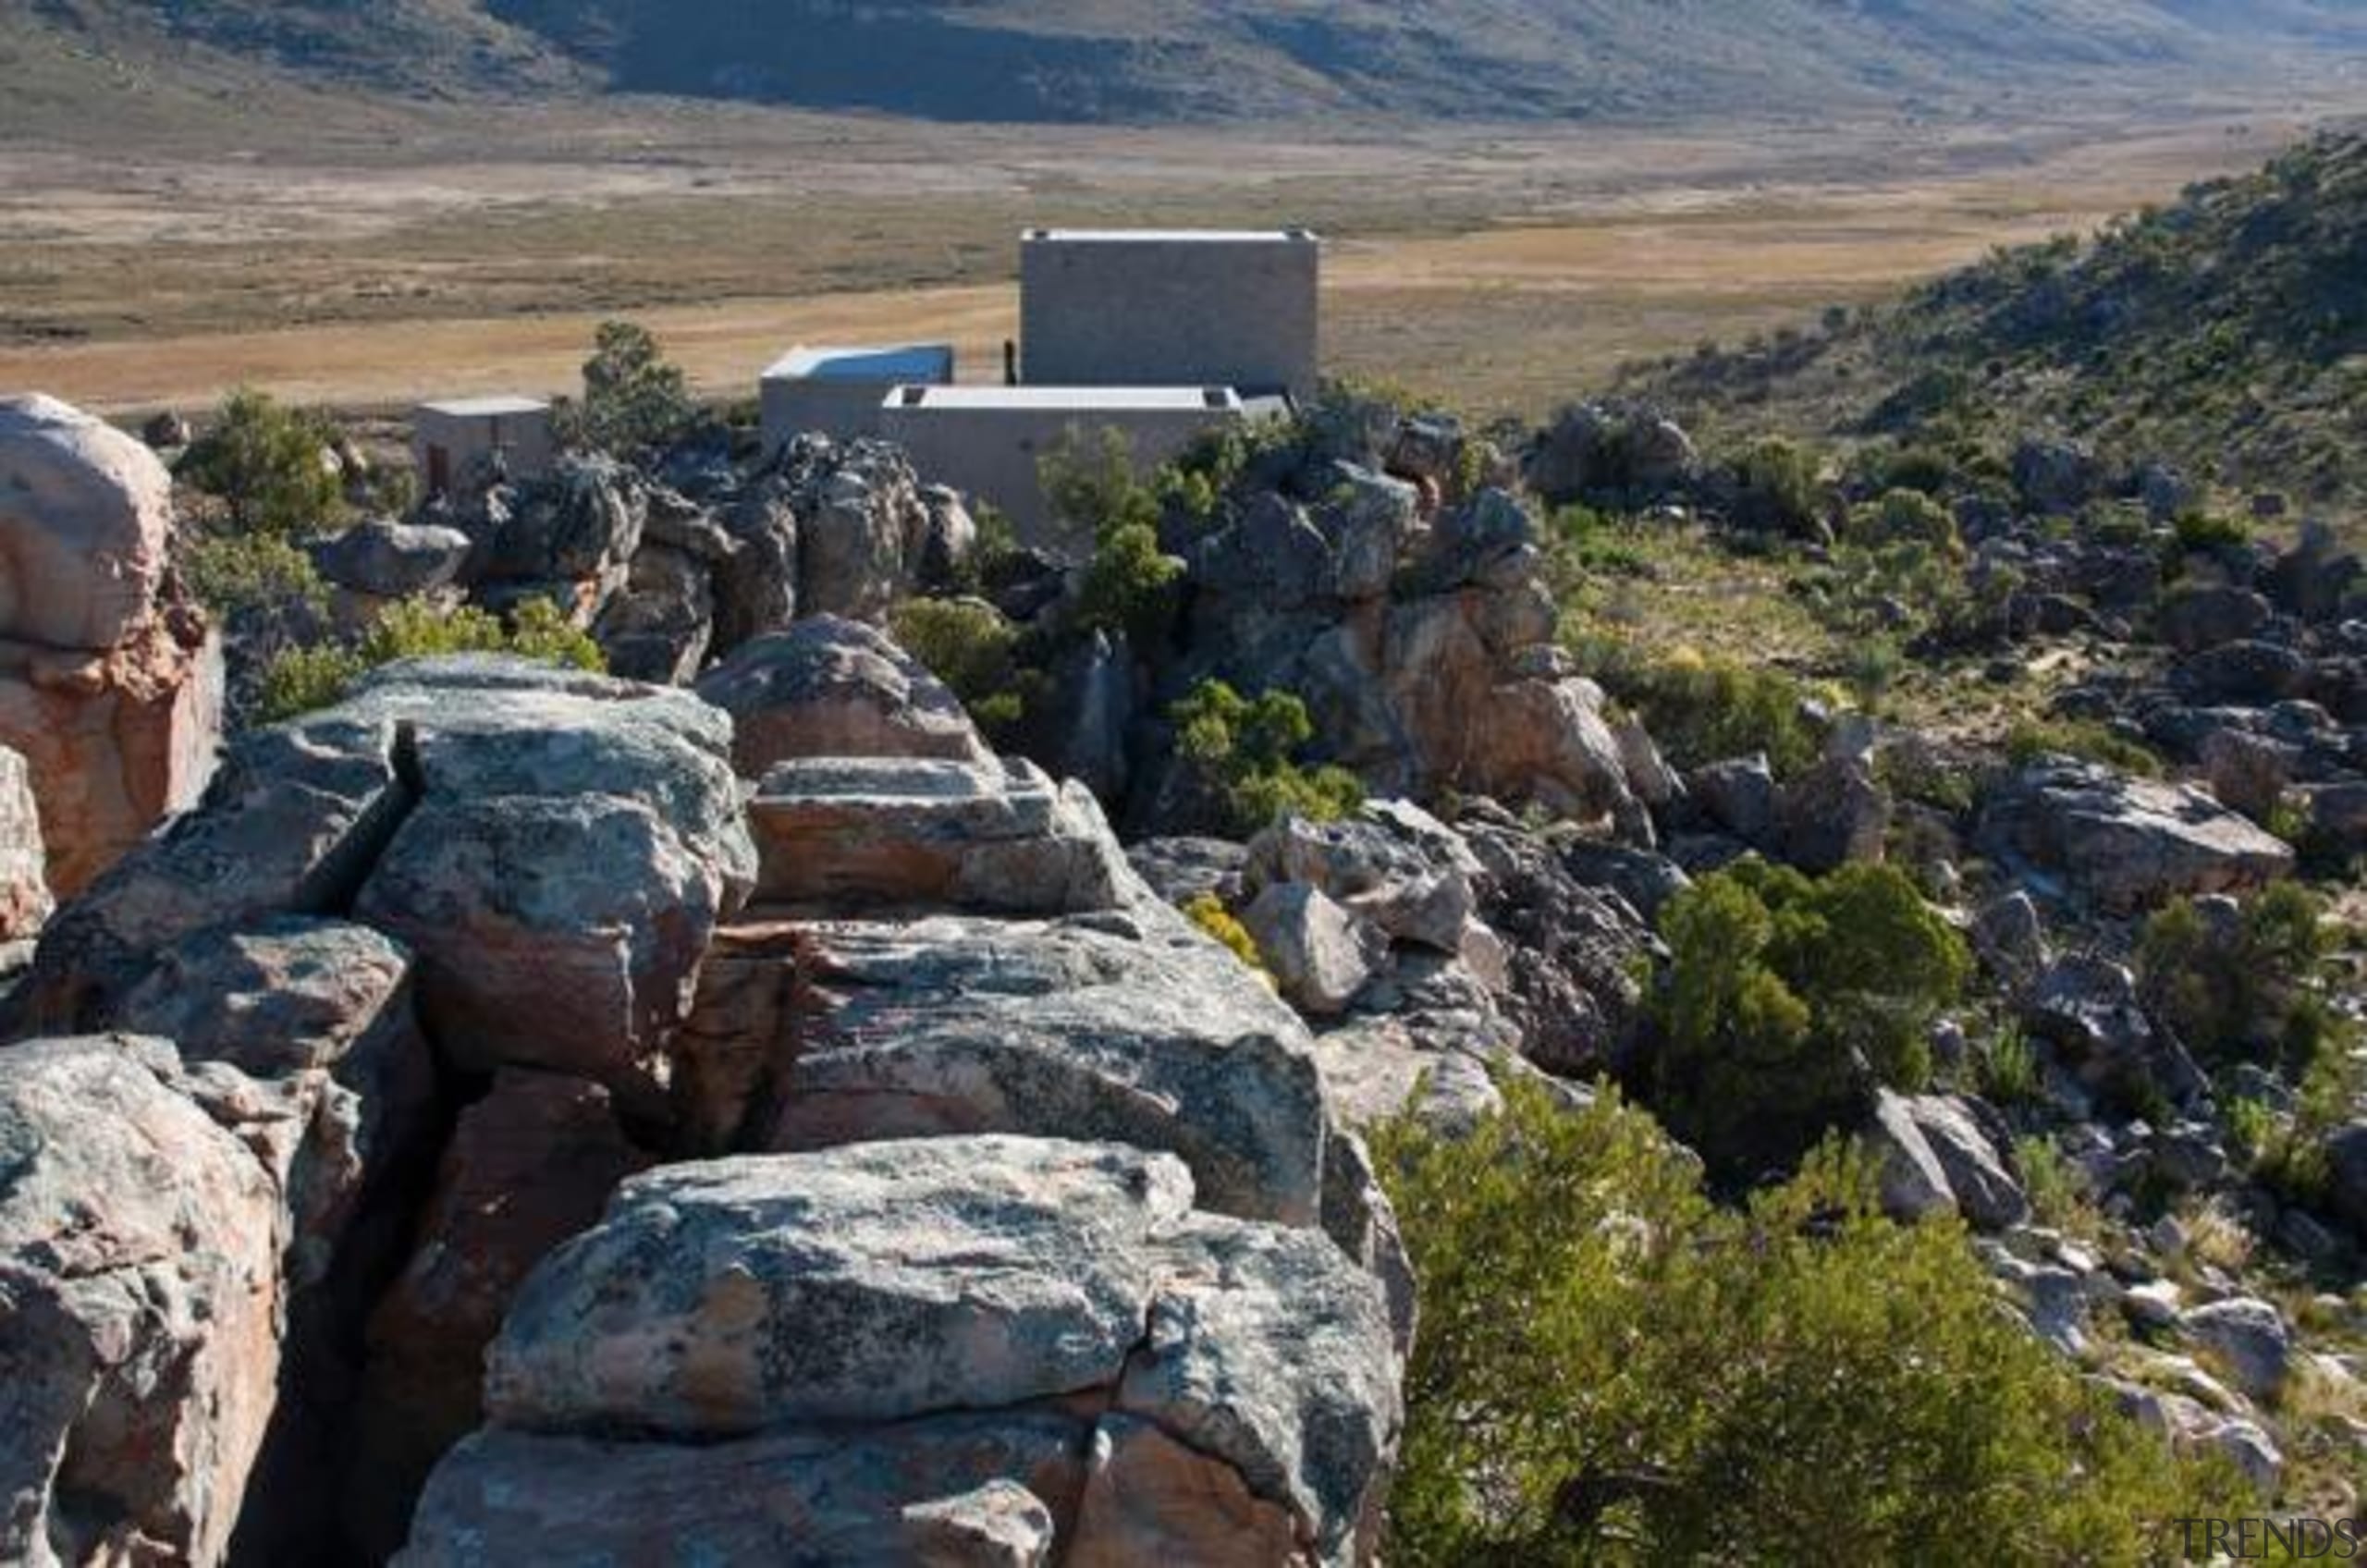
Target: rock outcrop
140 1306
828 687
25 901
2127 842
1046 1307
112 695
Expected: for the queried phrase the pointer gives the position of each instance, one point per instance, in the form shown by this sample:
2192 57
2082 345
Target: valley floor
1505 268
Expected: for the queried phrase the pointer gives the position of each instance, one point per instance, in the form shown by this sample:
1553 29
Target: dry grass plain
1503 269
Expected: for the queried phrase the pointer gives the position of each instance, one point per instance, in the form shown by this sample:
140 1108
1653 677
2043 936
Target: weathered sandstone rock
139 1303
832 688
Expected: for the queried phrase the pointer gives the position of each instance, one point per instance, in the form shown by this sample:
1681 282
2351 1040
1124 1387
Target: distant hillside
2226 333
1148 60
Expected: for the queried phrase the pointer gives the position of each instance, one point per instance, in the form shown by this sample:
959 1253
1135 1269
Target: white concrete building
837 391
454 442
987 441
1172 307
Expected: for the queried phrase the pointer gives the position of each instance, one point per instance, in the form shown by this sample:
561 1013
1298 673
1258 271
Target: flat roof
485 408
1061 399
1172 235
863 362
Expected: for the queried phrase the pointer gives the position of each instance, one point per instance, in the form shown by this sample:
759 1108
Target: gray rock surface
85 517
2127 842
828 687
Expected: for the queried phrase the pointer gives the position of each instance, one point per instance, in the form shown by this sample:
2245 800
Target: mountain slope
2225 334
1113 60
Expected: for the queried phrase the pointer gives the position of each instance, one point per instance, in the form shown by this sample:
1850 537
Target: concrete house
839 390
1171 307
452 442
987 441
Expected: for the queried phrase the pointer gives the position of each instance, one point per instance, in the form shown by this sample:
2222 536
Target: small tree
1612 1368
635 402
1130 583
272 466
1775 487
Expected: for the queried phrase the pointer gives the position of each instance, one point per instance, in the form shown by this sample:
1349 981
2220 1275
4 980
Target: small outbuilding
838 391
1182 307
987 441
455 441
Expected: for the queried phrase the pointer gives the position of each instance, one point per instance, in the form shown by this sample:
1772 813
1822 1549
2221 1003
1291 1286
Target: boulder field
490 1128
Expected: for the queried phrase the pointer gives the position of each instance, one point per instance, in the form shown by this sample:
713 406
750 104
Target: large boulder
385 559
2127 842
1320 954
554 848
115 704
955 1276
139 1310
659 626
828 687
86 516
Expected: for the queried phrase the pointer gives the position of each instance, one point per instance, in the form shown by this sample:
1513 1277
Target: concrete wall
839 409
467 440
1140 309
988 447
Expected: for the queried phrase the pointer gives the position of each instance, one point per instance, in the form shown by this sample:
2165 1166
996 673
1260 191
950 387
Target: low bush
2245 994
1702 709
1244 753
1774 487
303 679
1208 912
973 649
2028 739
1130 583
1613 1369
1787 1000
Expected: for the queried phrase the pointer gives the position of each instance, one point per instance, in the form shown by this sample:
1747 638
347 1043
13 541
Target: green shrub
1788 999
2199 531
1243 753
1774 485
303 679
1612 1368
1208 912
635 402
973 649
1703 709
2240 995
1907 517
2028 740
247 579
270 465
2006 1071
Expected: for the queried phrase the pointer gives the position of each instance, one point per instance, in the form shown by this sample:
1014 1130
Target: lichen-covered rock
865 832
1320 954
25 902
889 1290
322 1002
869 1284
888 1500
139 1310
291 825
1128 1028
832 688
2127 842
392 560
659 626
